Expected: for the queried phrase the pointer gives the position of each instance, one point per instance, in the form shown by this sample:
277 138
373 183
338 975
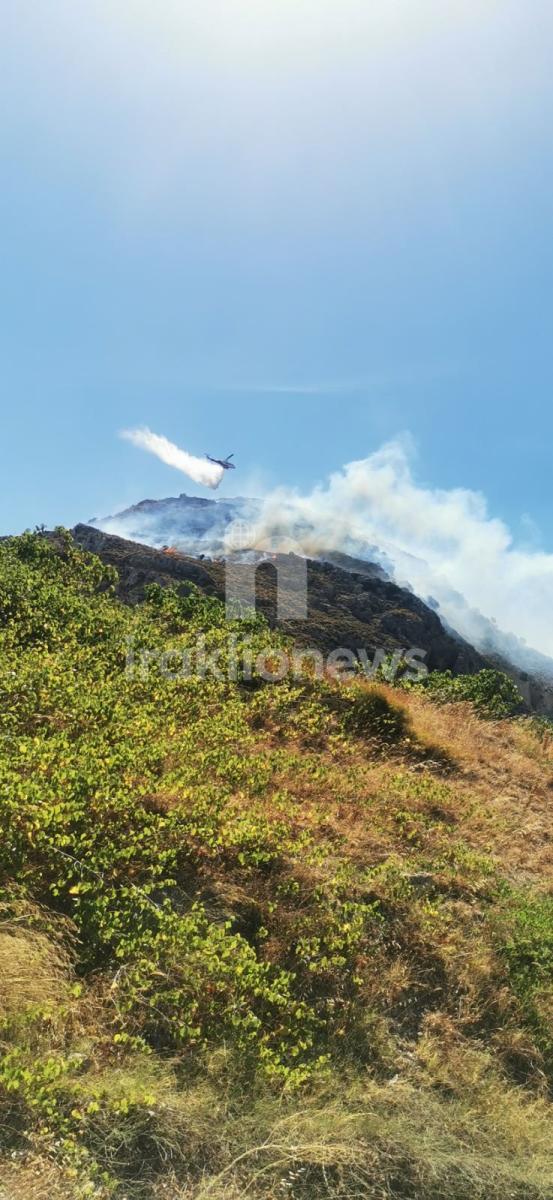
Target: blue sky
292 229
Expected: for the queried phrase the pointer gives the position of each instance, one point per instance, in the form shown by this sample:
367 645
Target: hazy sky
292 229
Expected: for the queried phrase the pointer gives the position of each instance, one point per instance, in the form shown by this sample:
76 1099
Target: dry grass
505 774
381 1141
34 970
39 1178
445 1122
491 782
468 1136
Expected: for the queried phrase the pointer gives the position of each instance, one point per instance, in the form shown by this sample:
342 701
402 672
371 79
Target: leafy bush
217 893
492 693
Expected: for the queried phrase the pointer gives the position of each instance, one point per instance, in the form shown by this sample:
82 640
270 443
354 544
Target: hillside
258 939
200 527
192 523
351 605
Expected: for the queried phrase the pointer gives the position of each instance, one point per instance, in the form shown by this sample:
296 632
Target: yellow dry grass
504 781
38 1178
489 783
33 969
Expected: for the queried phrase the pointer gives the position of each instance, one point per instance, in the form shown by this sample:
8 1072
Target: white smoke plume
442 543
199 469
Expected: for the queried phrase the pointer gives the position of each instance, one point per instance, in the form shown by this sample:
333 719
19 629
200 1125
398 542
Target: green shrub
198 871
527 948
491 693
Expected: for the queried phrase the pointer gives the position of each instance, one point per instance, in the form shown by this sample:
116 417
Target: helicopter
225 463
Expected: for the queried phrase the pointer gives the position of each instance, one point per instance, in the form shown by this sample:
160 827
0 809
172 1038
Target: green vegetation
492 693
251 942
528 951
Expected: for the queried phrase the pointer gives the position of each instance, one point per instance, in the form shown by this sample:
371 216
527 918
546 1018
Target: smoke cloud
199 469
444 544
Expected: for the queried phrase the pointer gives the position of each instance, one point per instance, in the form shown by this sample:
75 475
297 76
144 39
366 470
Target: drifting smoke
199 469
443 544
